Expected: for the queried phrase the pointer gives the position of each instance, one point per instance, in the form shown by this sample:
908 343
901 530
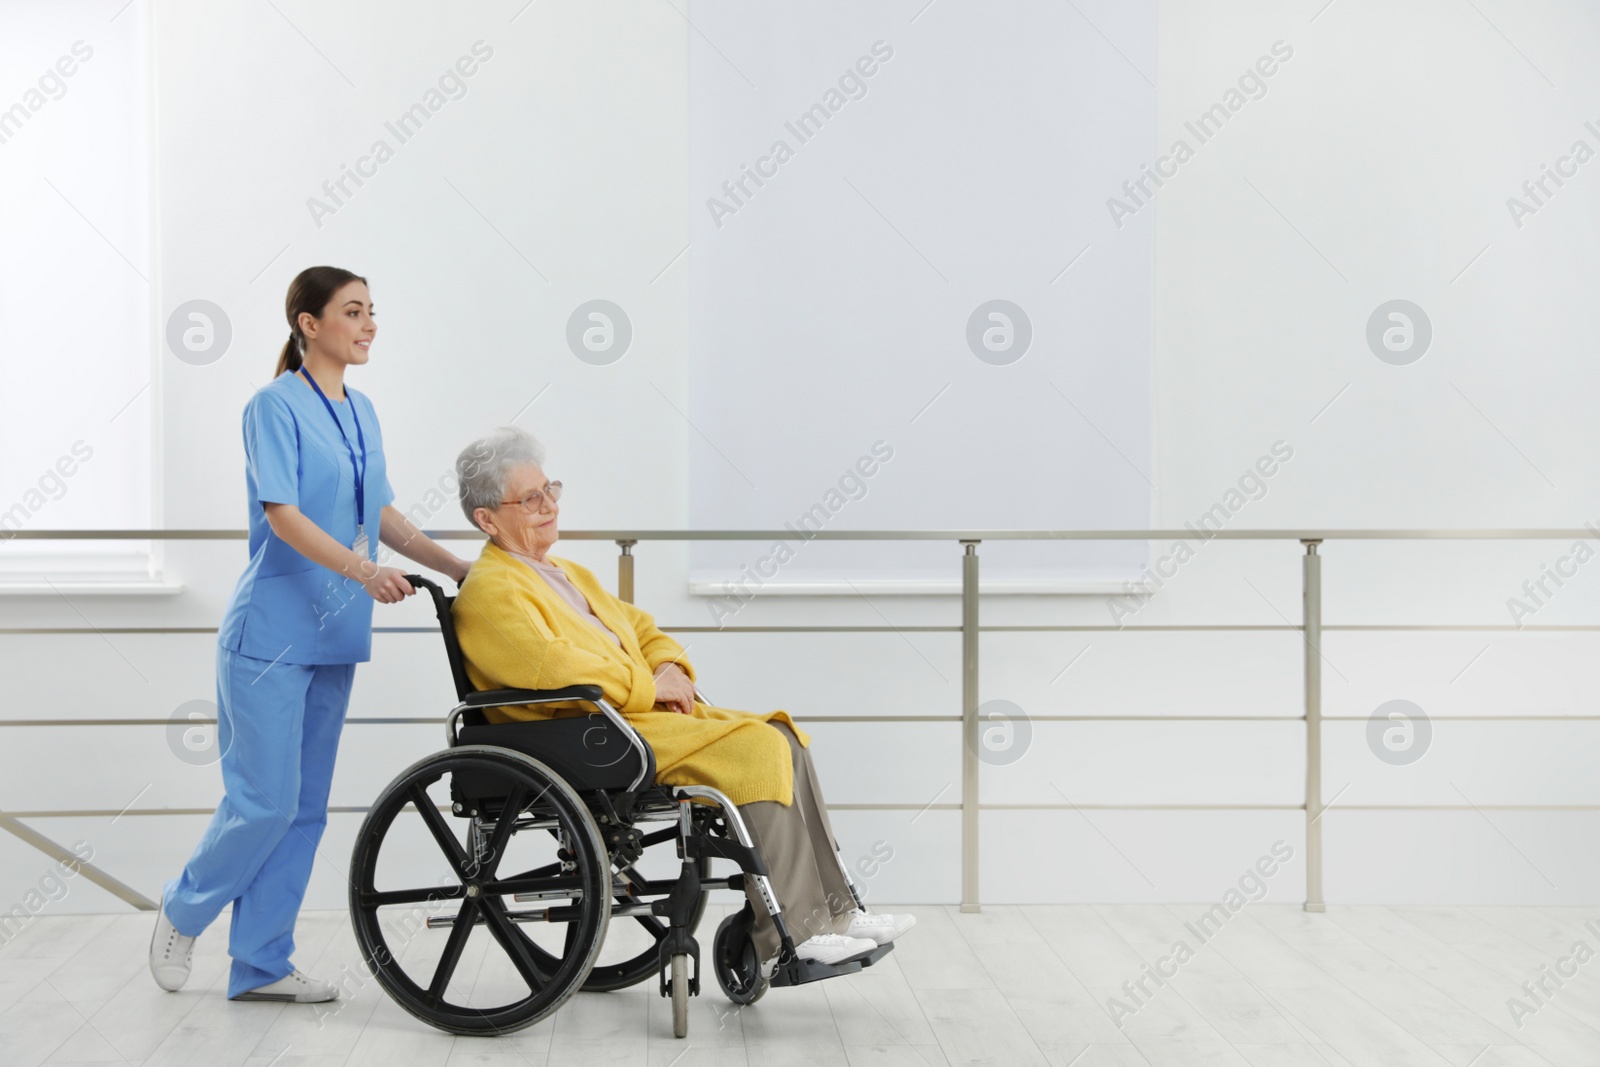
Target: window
76 293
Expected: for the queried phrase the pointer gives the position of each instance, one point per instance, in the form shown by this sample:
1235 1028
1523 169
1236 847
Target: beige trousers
801 854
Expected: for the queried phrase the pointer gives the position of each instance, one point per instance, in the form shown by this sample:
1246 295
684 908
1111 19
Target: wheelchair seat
585 748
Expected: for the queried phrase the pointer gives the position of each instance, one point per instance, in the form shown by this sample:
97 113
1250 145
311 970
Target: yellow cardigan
516 632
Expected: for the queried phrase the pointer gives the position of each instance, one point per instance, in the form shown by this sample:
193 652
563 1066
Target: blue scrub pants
278 727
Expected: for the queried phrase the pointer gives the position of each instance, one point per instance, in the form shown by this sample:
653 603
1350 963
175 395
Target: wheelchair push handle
441 600
419 582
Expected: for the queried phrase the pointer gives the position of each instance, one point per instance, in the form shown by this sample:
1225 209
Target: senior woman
532 621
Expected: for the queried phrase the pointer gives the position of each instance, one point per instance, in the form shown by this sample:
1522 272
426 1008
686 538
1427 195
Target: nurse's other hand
388 586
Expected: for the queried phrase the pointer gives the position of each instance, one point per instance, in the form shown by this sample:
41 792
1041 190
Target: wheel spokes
377 898
439 828
516 800
514 942
466 918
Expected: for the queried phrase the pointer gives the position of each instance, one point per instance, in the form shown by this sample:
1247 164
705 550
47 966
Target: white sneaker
293 988
882 929
833 948
171 953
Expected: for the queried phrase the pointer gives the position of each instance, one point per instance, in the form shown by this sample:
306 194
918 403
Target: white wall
1389 141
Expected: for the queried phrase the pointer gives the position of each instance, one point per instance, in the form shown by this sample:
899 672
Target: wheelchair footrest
799 972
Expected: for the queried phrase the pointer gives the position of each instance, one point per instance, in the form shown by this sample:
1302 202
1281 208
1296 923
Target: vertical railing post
625 571
969 727
1312 598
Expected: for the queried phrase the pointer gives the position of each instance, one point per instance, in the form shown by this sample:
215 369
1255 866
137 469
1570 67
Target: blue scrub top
286 608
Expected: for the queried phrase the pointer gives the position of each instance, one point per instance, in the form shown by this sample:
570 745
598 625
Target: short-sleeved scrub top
285 608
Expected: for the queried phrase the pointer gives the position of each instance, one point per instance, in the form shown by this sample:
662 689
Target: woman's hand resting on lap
674 689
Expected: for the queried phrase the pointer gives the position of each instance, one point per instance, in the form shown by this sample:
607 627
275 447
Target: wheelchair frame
593 814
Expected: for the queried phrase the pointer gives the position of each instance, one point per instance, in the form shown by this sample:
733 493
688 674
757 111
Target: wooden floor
1274 987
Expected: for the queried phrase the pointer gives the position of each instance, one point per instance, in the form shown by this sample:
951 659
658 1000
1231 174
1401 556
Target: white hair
482 466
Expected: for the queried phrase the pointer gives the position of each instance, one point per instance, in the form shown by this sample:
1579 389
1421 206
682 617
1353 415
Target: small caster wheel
680 995
733 955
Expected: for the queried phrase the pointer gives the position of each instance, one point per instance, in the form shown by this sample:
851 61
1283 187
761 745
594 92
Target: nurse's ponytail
290 358
310 292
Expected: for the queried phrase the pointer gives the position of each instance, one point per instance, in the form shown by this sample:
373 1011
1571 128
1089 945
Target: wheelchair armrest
489 698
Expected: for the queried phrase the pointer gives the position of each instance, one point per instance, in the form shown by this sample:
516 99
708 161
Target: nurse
299 621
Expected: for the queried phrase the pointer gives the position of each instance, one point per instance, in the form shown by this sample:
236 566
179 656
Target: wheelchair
553 814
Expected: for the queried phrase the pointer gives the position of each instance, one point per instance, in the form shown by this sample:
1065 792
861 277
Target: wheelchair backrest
447 629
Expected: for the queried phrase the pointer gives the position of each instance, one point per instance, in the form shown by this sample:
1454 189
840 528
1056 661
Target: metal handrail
970 629
634 536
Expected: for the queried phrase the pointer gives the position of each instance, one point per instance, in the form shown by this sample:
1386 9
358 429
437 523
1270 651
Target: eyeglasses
532 501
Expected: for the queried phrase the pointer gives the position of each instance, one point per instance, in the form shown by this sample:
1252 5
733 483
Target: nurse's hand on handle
388 585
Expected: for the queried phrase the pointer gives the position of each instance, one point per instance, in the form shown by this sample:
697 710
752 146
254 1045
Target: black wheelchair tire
733 958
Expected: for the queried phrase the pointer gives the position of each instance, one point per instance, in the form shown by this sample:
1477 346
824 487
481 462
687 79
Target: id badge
360 545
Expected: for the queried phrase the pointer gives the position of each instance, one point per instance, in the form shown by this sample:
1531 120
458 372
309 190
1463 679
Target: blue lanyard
360 468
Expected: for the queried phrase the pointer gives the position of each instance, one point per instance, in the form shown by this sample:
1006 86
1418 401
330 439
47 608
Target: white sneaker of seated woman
293 988
825 948
833 948
881 929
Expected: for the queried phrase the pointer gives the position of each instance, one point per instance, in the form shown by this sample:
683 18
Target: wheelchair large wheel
416 936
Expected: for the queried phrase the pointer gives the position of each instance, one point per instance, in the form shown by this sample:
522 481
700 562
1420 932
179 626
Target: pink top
558 580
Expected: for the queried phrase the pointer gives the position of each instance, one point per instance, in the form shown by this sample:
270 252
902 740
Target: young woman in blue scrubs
299 621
